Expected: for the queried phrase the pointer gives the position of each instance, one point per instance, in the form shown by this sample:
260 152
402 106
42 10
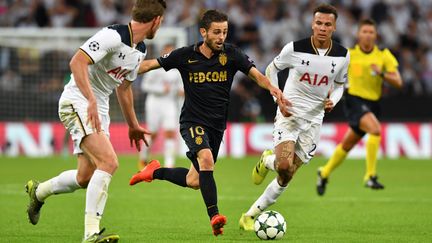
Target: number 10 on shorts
194 131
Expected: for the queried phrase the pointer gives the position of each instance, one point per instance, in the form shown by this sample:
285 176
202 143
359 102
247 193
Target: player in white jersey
318 71
164 89
108 60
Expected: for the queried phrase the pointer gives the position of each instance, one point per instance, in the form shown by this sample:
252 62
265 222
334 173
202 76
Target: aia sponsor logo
118 73
314 79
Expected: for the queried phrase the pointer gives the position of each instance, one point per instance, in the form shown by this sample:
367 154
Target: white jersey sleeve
99 45
342 76
285 57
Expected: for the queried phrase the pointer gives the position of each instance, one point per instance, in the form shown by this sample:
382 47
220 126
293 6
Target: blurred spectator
105 11
62 14
10 81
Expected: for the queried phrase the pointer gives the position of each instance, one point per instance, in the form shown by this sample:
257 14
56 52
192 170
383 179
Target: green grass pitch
162 212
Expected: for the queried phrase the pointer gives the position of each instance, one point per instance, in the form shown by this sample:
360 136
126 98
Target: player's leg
98 150
169 148
287 165
350 139
65 182
170 122
266 163
177 175
153 117
370 124
208 190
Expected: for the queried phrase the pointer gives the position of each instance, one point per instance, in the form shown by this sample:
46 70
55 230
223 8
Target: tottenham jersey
311 76
114 58
156 81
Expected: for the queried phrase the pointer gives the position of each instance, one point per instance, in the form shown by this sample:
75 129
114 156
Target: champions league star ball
270 225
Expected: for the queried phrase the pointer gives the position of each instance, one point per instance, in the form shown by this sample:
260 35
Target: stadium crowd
260 27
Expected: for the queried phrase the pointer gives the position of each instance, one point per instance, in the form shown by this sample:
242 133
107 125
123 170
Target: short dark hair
211 16
326 8
144 11
367 22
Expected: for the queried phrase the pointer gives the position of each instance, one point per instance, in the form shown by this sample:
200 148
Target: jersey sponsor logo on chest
118 73
314 79
201 77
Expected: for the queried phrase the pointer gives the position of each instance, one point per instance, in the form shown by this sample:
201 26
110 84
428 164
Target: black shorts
199 137
355 107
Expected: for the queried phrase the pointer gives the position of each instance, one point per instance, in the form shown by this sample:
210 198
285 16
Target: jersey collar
357 46
130 34
315 49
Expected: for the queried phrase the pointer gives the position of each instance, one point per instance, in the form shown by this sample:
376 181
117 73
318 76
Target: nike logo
192 61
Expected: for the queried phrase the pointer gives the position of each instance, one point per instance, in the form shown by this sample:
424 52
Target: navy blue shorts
198 137
355 107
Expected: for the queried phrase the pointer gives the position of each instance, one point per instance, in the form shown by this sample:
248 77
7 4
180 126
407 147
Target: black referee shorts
355 107
199 137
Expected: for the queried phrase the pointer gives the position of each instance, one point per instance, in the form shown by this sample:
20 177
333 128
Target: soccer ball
270 225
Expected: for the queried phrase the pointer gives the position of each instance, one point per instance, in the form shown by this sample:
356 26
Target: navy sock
208 192
174 175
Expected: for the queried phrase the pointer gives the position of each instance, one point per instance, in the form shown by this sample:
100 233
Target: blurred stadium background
38 38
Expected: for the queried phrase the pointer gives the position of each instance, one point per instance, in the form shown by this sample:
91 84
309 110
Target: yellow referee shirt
362 81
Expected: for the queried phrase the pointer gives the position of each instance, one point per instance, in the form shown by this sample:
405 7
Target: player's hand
136 134
281 101
284 106
328 105
93 116
277 93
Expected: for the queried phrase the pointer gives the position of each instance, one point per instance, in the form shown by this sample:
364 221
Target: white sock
64 183
169 152
91 223
144 153
269 196
269 162
96 197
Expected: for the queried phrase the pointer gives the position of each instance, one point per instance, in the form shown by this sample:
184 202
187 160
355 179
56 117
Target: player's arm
338 87
79 68
334 97
148 65
125 98
390 74
393 78
264 82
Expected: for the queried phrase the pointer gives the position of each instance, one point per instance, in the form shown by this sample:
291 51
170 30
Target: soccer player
318 70
207 69
369 67
163 91
108 60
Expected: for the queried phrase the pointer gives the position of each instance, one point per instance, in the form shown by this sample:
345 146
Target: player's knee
286 172
193 183
347 146
376 131
109 165
83 179
206 163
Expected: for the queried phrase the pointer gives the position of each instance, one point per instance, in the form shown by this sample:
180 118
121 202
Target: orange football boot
145 174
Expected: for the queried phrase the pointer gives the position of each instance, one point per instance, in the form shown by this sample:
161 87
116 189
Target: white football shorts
73 115
304 133
161 114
